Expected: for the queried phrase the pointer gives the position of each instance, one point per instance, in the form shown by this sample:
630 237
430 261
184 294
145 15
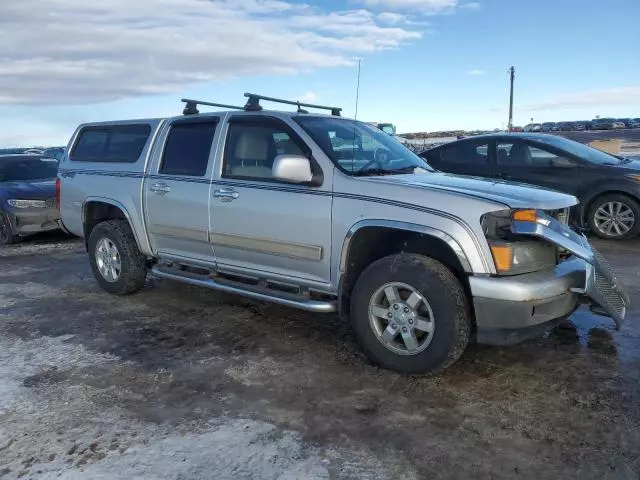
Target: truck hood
511 194
29 190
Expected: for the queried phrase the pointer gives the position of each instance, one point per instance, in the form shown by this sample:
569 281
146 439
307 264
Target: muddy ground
178 382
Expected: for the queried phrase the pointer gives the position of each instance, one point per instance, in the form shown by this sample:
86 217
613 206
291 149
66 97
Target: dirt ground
178 382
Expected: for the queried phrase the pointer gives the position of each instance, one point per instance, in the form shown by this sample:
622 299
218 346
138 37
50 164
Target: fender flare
406 226
123 209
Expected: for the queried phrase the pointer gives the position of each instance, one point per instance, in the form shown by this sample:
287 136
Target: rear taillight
58 193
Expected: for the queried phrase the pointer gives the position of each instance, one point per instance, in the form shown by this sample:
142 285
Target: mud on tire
441 292
133 271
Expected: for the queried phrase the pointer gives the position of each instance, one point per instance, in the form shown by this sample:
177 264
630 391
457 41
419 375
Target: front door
260 224
177 191
523 161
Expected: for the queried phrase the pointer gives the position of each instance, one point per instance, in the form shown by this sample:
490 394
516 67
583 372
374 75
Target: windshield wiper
384 171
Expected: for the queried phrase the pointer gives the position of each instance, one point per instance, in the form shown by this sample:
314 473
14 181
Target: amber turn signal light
525 216
502 257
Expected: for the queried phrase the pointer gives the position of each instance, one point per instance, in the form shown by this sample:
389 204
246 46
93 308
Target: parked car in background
602 123
588 124
532 127
619 125
578 126
517 129
54 152
549 127
607 186
27 196
629 122
566 126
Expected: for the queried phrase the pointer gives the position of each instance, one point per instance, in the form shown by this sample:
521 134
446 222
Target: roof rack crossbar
253 104
191 107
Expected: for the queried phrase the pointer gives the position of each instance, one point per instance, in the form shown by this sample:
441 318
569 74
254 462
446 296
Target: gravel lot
184 383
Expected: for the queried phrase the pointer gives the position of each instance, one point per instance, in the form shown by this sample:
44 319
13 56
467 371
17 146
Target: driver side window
252 148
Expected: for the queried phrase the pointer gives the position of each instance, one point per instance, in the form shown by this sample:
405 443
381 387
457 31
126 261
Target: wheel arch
370 240
99 209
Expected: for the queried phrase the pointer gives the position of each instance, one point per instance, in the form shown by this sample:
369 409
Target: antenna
191 107
253 104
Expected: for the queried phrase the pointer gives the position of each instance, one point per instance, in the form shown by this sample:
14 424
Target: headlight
513 258
515 254
27 203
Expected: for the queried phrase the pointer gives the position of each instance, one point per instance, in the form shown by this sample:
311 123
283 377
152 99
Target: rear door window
187 149
113 144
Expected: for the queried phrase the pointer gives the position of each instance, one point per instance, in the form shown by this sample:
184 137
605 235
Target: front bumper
26 221
511 309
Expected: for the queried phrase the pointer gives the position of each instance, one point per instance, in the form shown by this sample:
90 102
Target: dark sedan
27 196
607 186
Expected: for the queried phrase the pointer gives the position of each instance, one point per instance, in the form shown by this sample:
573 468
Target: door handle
160 188
225 194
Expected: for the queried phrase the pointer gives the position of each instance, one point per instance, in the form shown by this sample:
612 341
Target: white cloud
476 72
392 18
627 96
602 97
308 97
80 51
470 6
427 7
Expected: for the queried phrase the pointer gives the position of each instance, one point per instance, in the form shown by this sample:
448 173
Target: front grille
50 202
603 288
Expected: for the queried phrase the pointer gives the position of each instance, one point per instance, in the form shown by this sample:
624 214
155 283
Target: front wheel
410 314
6 231
614 217
117 263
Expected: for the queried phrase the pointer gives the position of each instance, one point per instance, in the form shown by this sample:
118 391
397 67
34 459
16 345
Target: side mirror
562 162
292 168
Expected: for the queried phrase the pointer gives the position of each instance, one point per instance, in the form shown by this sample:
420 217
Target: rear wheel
117 263
615 217
410 314
6 231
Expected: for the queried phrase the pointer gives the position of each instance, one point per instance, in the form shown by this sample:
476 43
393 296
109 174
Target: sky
425 65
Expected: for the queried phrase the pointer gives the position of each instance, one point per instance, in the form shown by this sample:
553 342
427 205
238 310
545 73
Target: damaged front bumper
510 309
601 287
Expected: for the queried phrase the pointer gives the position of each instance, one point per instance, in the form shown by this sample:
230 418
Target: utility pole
358 87
512 74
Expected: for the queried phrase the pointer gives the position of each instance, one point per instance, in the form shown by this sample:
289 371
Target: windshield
27 169
585 152
361 149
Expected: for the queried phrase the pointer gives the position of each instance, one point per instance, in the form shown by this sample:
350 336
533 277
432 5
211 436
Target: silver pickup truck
328 214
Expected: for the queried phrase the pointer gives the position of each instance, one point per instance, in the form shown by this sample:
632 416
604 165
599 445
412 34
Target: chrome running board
254 292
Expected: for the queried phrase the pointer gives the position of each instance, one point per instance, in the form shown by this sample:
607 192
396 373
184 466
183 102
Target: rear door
177 190
466 157
528 162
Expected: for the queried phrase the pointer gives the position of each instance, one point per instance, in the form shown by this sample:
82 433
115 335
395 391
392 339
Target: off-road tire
133 263
6 231
448 301
614 197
